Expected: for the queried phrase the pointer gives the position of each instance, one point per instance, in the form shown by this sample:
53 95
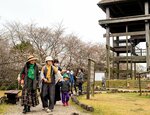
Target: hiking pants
72 85
80 87
65 97
48 94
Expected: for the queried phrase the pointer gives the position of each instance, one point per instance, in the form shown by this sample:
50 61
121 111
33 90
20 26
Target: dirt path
58 110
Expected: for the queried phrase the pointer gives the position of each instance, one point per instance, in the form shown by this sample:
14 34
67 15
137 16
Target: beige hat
31 58
48 58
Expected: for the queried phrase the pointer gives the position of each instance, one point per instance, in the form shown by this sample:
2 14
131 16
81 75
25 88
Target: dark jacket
65 86
79 78
28 83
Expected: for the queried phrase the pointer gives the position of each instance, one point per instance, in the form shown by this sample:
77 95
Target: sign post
91 77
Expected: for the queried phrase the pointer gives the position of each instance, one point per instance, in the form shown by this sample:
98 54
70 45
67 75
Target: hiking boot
25 110
55 102
28 108
64 104
67 104
80 92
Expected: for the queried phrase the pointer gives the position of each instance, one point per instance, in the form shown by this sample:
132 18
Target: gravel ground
58 110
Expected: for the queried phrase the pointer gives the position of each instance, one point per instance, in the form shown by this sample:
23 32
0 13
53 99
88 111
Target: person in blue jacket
72 81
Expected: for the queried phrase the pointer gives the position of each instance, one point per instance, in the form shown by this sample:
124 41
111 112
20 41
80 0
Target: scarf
31 71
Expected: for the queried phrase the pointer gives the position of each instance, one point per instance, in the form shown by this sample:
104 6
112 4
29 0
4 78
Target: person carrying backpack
48 84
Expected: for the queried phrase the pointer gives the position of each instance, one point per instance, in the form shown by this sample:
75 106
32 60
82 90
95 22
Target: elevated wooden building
127 24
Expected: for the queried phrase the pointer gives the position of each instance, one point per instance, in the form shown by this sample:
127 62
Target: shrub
12 86
3 88
123 83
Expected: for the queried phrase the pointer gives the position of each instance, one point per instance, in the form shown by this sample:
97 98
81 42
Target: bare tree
17 41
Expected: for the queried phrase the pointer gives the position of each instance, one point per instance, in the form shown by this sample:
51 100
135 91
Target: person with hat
48 84
29 81
65 89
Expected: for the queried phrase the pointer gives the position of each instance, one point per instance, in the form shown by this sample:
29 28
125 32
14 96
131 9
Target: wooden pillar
131 59
127 48
131 68
147 35
108 44
88 80
140 90
134 71
113 61
118 69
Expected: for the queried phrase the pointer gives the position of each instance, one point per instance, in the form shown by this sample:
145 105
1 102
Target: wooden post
134 71
127 48
88 80
94 79
131 60
113 61
93 84
141 52
118 69
140 84
91 78
131 68
108 44
93 89
147 35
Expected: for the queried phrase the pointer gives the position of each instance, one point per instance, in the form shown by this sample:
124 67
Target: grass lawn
2 93
3 108
118 104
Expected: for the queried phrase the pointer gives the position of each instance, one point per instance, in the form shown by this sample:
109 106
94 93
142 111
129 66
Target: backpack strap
45 71
52 73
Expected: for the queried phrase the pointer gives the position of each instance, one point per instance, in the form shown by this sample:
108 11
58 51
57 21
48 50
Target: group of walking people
54 83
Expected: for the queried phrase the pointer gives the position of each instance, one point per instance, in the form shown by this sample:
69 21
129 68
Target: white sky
77 16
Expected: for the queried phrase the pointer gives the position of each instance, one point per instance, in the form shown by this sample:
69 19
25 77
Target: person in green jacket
29 81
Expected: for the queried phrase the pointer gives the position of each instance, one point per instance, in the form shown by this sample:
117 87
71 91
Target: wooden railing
140 52
139 77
